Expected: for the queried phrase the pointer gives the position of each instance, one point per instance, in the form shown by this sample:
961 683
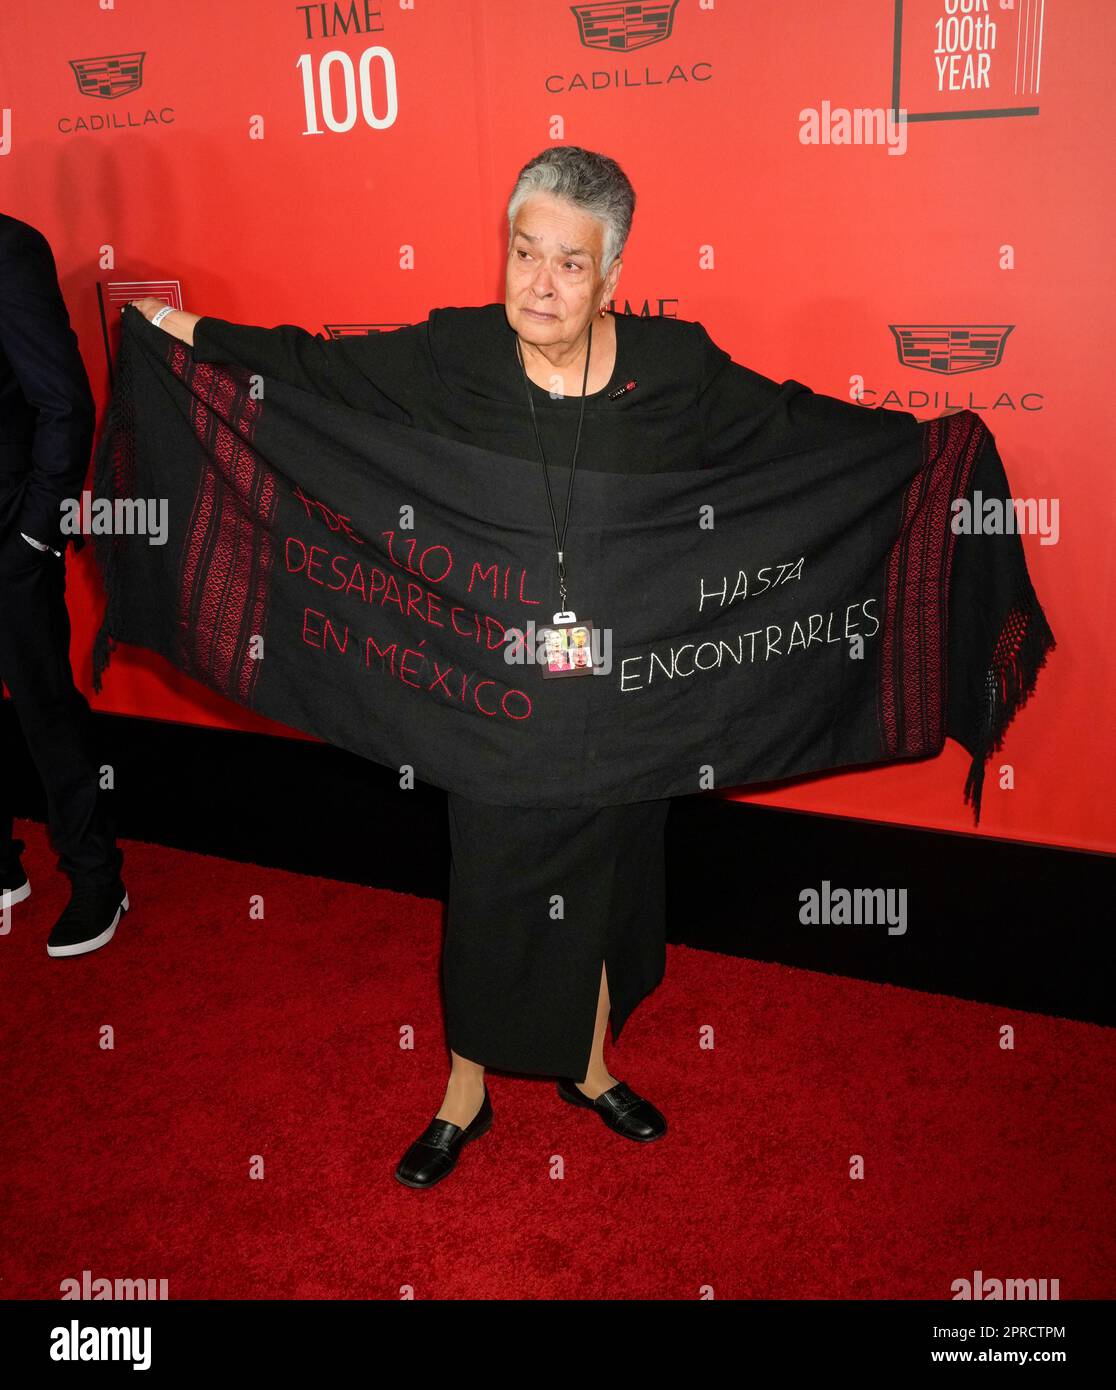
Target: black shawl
363 581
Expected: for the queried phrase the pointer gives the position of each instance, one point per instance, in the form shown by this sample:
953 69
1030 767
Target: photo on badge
566 649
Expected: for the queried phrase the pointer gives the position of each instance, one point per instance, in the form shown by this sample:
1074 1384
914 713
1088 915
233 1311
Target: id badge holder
567 647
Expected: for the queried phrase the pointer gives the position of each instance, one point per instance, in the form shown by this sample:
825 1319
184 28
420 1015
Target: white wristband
161 315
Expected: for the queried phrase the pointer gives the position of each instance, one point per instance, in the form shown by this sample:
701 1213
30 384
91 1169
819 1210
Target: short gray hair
591 182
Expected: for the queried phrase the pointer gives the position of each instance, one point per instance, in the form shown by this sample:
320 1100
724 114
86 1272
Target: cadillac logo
622 28
109 77
950 349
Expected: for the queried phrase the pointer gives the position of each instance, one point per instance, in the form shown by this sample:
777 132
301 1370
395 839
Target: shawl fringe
114 471
1022 647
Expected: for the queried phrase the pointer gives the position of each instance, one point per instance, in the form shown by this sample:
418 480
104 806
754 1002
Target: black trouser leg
53 714
7 847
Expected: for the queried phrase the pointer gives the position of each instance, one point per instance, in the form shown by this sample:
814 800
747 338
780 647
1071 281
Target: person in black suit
47 419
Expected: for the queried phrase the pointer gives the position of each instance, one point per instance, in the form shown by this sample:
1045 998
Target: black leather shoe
88 920
621 1109
433 1155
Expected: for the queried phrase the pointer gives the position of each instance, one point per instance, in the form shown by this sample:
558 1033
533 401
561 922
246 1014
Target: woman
548 374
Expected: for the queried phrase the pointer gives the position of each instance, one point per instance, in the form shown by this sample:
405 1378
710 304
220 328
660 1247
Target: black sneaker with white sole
89 920
14 886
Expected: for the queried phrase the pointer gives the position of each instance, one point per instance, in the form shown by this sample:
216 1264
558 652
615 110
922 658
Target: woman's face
553 285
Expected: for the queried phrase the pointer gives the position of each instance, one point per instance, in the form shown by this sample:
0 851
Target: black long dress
521 983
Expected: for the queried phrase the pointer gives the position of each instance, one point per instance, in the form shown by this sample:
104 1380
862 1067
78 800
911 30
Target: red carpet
280 1038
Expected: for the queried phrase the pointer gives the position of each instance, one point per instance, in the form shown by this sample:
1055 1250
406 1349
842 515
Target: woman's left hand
148 307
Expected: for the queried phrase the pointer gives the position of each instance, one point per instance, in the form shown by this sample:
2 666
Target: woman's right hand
179 323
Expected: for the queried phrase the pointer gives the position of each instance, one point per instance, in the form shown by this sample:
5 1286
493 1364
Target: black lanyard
559 539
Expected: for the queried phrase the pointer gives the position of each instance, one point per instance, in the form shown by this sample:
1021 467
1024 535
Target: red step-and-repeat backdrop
346 167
